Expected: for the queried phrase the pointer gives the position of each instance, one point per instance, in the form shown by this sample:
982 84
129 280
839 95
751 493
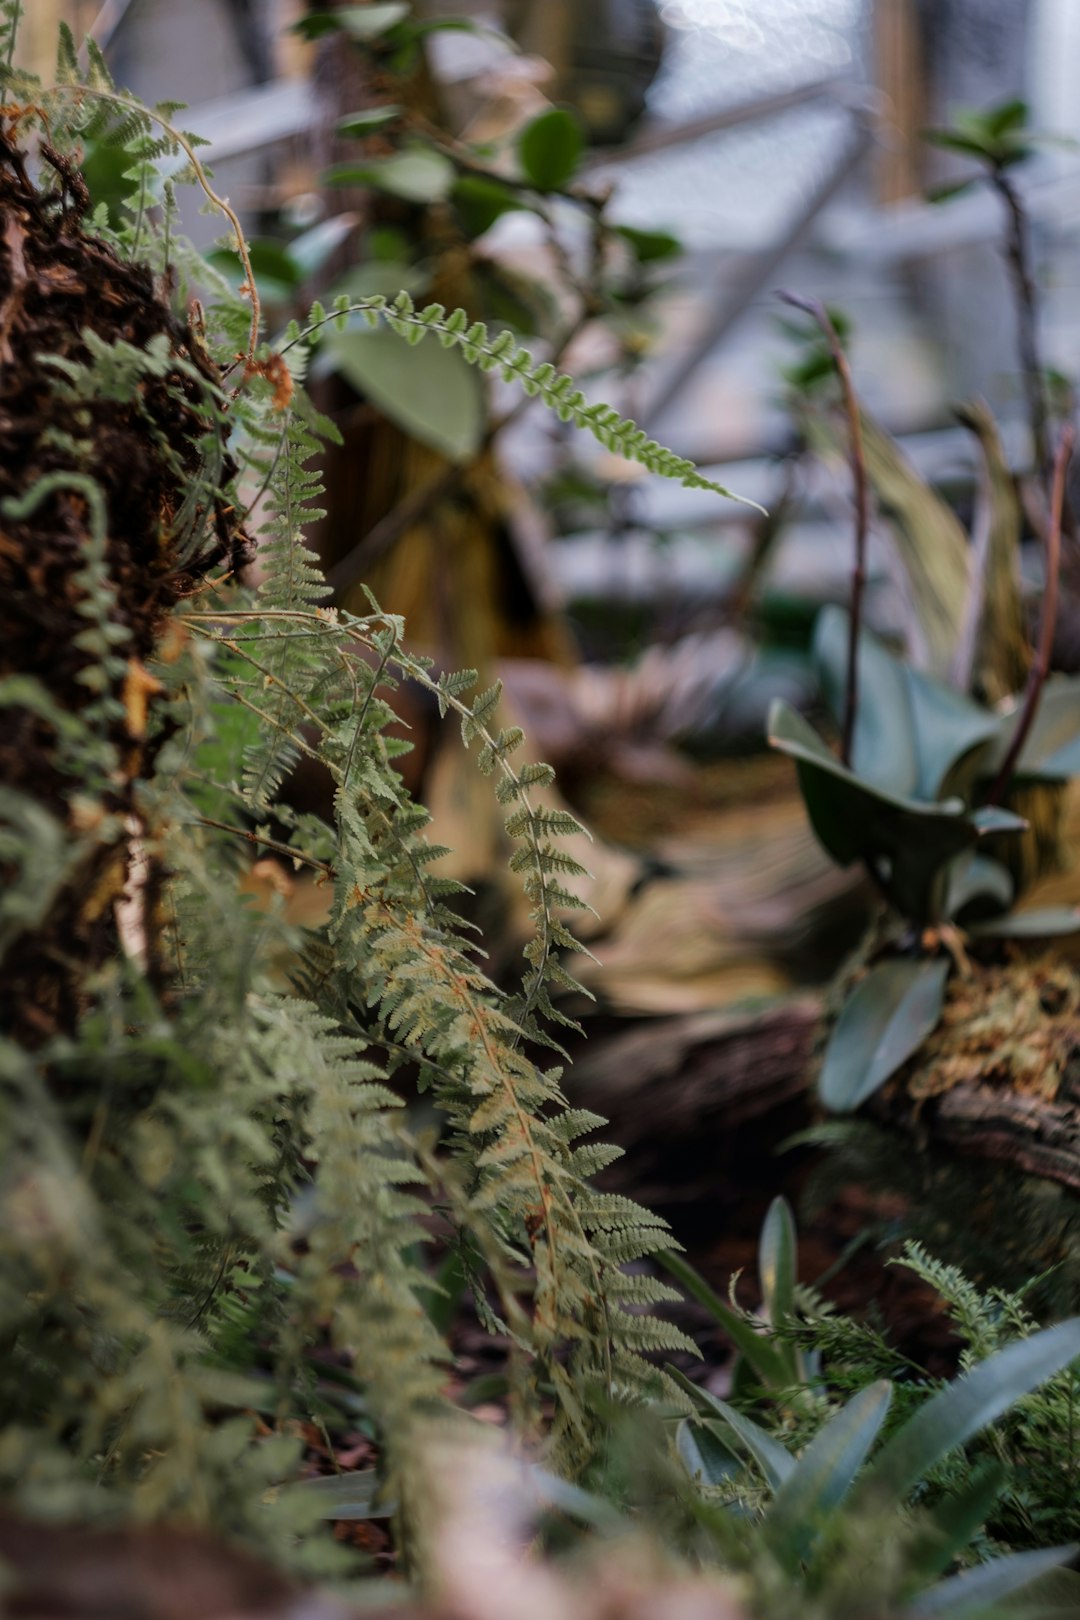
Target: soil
57 281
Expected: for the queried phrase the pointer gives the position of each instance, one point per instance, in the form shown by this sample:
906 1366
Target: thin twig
265 843
816 309
1018 254
1040 664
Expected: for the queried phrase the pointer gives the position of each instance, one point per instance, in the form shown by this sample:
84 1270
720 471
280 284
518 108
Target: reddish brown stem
1040 664
816 309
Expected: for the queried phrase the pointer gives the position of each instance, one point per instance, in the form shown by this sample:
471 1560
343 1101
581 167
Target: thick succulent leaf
776 1260
950 732
548 1490
975 1591
774 1460
990 819
883 743
967 1405
705 1454
1052 750
825 1473
855 821
977 880
1053 1596
1041 922
430 392
886 1018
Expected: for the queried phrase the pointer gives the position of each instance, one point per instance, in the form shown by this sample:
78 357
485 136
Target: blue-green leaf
885 1019
950 733
975 878
1052 750
777 1252
705 1455
1041 922
774 1460
855 820
964 1407
825 1473
883 744
975 1590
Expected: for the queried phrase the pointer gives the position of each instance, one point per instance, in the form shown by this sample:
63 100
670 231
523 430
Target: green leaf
1053 1596
949 729
974 1590
954 1522
774 1460
480 202
964 1407
276 272
381 278
766 1358
974 878
550 149
1052 750
416 174
776 1271
705 1455
311 250
1005 118
551 1491
887 1018
1042 922
650 247
991 819
953 141
358 124
883 744
354 1495
430 392
825 1473
359 22
855 821
946 193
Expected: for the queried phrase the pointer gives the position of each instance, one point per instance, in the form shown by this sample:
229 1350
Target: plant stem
1040 664
816 309
1018 254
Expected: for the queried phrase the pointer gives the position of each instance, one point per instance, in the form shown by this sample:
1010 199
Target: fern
11 13
501 353
225 1124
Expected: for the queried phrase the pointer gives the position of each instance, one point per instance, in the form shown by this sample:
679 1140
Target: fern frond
501 353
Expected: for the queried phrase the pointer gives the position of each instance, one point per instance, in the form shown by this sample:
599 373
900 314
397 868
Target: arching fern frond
501 353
